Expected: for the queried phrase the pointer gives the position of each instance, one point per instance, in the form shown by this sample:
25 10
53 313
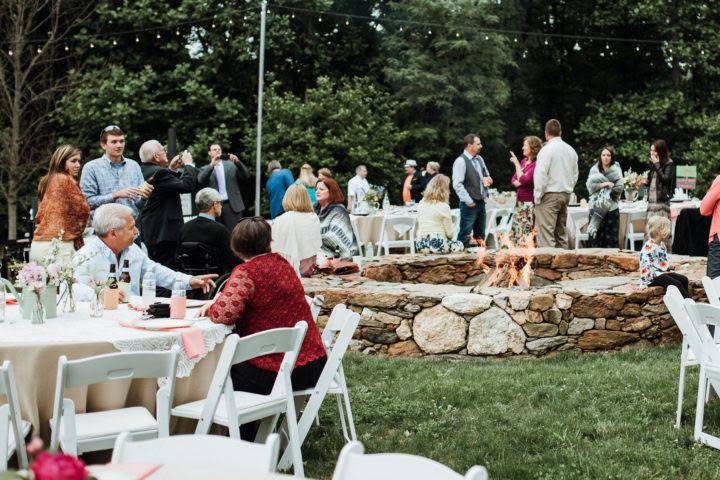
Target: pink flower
58 467
35 446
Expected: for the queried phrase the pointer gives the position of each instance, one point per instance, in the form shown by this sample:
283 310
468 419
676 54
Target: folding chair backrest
701 316
199 451
636 215
712 290
12 421
406 224
353 464
340 317
675 304
314 307
579 217
117 366
277 340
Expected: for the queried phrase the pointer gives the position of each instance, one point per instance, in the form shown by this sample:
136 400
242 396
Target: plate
677 200
164 323
573 204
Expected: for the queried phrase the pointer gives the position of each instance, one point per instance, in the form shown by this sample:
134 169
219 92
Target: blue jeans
472 220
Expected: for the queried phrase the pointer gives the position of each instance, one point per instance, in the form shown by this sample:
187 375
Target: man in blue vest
471 180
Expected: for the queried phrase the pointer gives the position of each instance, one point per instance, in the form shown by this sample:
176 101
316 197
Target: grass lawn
586 416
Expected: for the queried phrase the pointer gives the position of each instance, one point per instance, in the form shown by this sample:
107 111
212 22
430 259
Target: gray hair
148 149
273 165
111 216
205 198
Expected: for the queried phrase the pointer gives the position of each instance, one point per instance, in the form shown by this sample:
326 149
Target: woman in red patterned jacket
261 294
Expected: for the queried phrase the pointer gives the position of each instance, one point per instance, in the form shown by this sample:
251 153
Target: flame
513 261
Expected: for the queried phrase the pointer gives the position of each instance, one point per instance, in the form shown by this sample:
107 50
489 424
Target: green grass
592 416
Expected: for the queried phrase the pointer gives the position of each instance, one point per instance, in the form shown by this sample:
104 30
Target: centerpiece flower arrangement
375 194
45 465
32 278
631 183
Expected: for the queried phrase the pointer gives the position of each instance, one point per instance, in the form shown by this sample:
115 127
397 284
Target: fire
513 262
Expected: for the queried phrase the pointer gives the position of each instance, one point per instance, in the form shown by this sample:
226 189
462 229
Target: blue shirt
92 265
277 185
100 178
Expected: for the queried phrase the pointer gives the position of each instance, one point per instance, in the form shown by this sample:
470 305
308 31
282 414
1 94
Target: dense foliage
380 81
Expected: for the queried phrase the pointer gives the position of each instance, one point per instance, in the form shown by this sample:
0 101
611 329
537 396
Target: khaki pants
551 220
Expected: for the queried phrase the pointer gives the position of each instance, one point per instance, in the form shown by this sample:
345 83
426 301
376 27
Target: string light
487 38
158 36
457 34
137 39
67 49
607 46
546 42
10 53
577 47
115 43
92 45
177 32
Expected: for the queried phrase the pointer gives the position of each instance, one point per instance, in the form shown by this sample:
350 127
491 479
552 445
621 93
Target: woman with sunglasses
62 209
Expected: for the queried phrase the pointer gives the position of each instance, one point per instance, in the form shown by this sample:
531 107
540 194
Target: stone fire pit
588 300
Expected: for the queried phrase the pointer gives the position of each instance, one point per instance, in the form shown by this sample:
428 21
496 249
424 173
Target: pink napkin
193 342
137 471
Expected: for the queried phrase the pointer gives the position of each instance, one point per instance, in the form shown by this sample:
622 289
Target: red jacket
262 294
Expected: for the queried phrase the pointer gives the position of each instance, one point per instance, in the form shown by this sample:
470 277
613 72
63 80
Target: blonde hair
307 177
297 199
434 166
658 228
438 190
534 143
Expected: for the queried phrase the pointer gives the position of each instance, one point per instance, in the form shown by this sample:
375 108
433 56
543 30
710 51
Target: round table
625 209
34 351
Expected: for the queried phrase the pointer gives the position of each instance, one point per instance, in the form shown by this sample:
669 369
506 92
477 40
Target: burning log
513 263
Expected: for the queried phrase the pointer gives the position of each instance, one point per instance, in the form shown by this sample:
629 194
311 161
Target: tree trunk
12 214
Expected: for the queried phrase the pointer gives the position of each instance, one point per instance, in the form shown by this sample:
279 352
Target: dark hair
469 139
662 150
612 157
335 193
110 130
553 127
251 237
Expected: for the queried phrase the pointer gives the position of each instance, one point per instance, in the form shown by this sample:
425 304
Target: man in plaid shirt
113 178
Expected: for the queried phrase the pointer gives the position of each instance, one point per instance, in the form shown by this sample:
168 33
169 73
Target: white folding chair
336 336
499 222
199 451
13 429
315 307
701 316
630 235
580 218
77 433
231 409
712 290
354 464
455 214
404 226
675 305
353 222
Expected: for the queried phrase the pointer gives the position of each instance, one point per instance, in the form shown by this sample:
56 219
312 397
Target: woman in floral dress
524 218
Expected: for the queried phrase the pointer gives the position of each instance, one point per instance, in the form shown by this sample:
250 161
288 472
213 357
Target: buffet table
34 351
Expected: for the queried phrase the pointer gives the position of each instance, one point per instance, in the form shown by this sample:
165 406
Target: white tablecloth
35 349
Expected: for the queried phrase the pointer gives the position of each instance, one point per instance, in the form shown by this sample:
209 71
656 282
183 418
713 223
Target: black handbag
159 310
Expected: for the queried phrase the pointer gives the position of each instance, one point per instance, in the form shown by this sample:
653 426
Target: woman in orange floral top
654 264
62 208
261 294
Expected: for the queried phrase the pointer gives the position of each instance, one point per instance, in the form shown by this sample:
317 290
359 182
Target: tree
34 71
449 81
335 125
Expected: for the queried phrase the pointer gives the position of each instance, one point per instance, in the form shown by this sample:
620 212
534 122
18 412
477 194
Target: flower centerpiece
59 266
631 180
375 194
32 278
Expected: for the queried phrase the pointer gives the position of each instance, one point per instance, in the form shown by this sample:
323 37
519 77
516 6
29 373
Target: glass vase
96 305
37 313
68 300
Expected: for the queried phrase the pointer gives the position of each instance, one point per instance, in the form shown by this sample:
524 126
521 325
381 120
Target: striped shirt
100 178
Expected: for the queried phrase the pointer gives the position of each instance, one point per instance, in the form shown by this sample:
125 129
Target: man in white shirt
115 231
555 176
358 186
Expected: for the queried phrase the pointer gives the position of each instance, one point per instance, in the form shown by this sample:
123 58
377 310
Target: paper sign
686 177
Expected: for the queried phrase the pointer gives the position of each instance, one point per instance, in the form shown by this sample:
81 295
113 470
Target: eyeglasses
111 127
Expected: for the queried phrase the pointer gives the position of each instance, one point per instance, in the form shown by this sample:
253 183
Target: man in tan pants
555 176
